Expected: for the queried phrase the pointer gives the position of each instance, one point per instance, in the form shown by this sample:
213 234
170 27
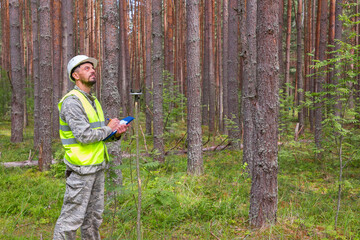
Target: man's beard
89 83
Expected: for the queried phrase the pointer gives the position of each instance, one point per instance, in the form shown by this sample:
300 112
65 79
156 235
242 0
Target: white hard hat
76 61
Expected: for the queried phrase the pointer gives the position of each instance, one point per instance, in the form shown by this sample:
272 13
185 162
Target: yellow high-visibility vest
79 153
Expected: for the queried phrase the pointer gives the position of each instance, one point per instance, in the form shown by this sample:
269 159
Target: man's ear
75 75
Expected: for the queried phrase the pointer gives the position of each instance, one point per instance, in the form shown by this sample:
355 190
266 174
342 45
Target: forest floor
177 206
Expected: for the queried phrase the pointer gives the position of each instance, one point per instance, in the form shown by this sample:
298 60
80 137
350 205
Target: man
82 131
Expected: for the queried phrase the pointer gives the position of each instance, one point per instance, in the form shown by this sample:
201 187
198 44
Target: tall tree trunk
157 56
28 54
299 69
330 48
98 45
36 69
219 71
17 78
338 36
82 18
109 92
281 49
233 76
288 43
208 69
307 50
225 57
56 73
195 161
205 65
169 35
320 80
148 79
89 17
67 41
45 61
264 188
249 81
5 50
124 83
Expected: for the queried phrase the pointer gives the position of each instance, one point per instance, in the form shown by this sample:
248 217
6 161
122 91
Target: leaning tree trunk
195 161
17 79
264 188
45 60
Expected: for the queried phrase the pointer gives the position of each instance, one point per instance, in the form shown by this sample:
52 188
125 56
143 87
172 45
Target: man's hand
121 129
114 124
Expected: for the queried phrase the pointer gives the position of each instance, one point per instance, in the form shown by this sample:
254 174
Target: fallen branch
26 163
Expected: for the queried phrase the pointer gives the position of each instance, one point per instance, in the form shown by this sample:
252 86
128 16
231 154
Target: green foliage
174 104
28 197
178 206
287 114
5 93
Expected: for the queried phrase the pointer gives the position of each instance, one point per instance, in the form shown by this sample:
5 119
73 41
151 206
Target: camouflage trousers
82 208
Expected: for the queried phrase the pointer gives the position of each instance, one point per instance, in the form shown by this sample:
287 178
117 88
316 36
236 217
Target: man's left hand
121 129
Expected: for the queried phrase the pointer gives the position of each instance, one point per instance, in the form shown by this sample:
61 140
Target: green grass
178 206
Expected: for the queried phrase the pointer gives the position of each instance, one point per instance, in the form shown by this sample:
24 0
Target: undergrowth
177 206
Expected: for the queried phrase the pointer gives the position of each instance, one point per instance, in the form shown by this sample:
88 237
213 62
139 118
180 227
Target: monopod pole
137 97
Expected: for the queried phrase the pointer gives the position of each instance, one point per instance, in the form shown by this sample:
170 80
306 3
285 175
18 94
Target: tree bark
195 161
233 76
299 69
17 78
45 63
225 56
169 35
249 81
67 41
124 83
82 18
35 73
157 57
208 82
338 36
321 78
148 79
5 34
264 188
288 43
109 90
56 73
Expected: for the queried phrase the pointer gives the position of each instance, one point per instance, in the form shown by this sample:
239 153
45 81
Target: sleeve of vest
73 113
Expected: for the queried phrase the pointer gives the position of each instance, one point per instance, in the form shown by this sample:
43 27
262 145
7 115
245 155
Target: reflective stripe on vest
79 153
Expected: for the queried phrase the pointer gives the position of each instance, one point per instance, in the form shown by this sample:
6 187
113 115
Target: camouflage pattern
84 196
82 208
